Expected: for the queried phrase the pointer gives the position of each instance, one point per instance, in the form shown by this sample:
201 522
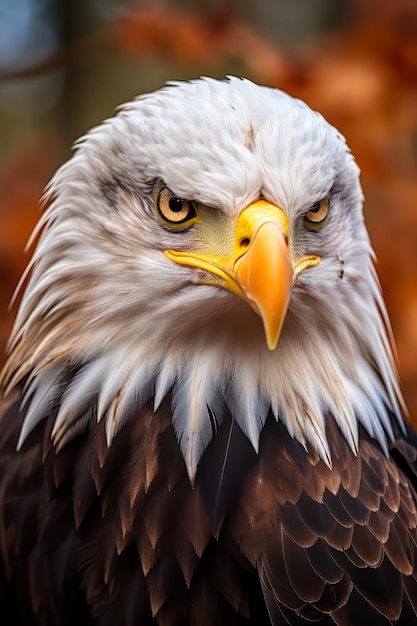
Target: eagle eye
317 215
174 211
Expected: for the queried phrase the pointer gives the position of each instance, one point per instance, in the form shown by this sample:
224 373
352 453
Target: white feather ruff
103 299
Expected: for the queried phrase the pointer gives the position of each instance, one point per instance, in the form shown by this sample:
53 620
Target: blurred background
66 64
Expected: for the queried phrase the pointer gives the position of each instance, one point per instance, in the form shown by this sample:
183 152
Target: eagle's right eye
174 211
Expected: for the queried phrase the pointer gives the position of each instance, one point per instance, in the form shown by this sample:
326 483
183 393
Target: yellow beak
259 268
262 266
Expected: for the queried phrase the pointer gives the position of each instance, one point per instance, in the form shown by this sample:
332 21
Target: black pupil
315 208
176 204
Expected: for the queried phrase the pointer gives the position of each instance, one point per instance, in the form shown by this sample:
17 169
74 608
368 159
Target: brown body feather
117 535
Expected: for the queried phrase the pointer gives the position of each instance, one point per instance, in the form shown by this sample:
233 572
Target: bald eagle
201 422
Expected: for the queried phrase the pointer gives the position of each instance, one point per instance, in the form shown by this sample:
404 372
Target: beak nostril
245 242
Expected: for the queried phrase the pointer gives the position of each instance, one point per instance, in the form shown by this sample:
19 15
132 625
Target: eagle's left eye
173 210
317 215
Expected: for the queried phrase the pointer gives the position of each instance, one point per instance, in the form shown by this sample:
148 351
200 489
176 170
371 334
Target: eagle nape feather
200 419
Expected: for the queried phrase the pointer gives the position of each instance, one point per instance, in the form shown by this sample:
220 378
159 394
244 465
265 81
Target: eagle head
207 245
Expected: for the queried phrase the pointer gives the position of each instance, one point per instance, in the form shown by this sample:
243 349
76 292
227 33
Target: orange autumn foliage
22 179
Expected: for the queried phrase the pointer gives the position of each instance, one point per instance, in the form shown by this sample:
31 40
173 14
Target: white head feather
104 301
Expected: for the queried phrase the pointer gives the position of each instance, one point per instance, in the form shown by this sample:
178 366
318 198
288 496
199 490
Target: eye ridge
315 207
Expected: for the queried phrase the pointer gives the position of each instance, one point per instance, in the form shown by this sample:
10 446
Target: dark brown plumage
117 533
